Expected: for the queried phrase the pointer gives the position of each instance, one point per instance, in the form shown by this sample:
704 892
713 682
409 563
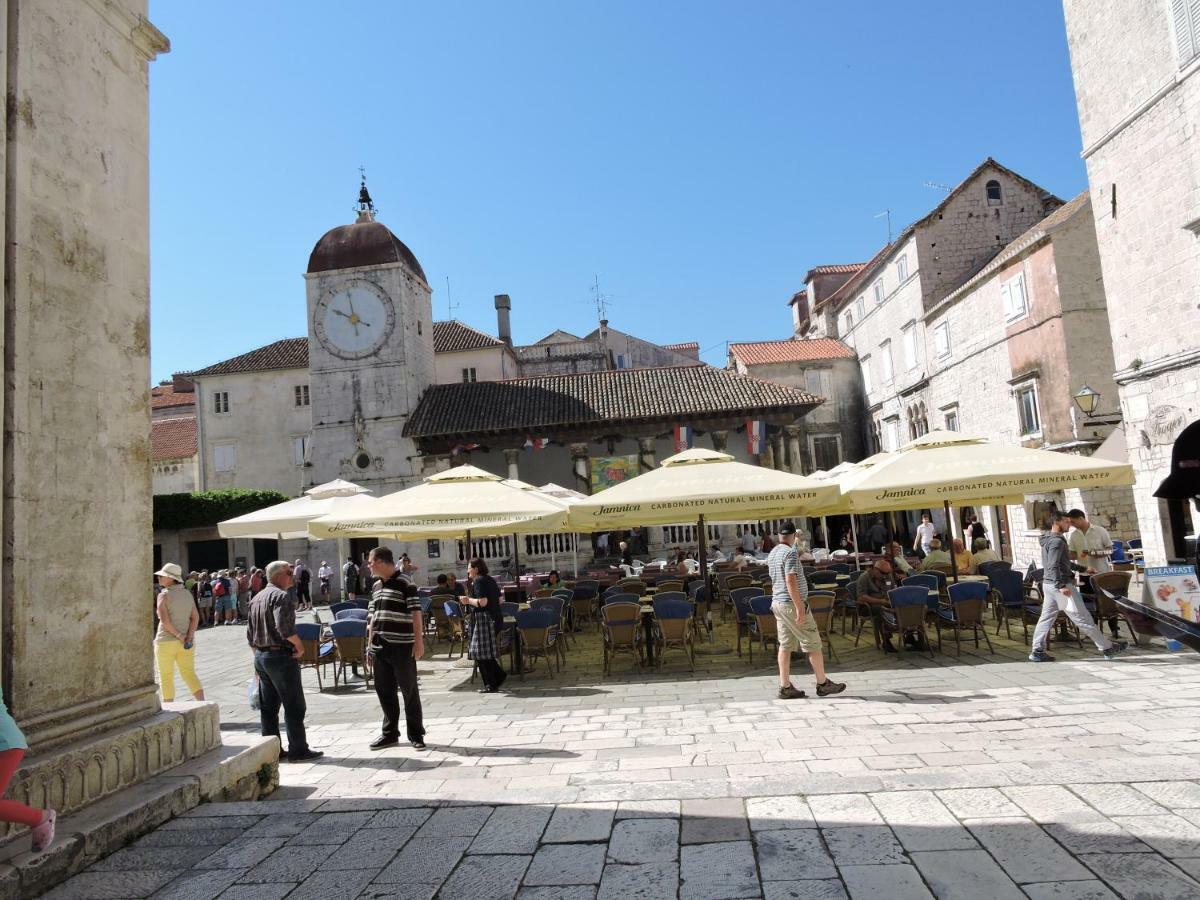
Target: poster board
609 470
1174 590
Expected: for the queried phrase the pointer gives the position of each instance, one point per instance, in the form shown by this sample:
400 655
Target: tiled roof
555 403
173 438
163 396
836 269
760 352
801 294
290 353
452 336
682 348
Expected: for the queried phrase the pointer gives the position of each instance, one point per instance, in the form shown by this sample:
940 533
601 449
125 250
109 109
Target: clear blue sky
699 156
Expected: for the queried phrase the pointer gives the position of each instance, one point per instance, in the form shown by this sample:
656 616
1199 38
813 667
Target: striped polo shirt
390 612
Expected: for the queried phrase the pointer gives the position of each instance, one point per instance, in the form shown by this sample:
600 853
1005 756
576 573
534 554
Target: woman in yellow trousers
178 619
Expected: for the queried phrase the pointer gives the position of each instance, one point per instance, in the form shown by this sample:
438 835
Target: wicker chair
621 626
316 655
539 630
1107 586
821 607
672 615
968 600
765 626
458 630
350 644
905 612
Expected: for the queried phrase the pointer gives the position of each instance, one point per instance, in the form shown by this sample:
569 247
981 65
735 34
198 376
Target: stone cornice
140 31
1181 360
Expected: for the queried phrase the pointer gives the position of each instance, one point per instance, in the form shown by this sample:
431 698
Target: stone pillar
780 460
645 455
720 439
511 458
766 459
793 445
579 462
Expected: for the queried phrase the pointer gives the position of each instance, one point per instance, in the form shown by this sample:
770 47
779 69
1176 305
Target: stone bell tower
370 351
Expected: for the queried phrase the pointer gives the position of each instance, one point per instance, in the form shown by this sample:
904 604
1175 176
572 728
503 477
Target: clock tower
370 353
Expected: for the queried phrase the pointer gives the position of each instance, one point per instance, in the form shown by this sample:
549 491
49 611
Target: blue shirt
11 737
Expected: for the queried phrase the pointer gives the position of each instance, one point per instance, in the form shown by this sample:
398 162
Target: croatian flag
463 448
683 438
532 443
756 435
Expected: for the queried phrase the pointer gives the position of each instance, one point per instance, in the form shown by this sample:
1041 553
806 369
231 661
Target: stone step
245 767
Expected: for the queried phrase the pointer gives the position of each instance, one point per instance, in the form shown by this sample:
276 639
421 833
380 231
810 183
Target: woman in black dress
486 621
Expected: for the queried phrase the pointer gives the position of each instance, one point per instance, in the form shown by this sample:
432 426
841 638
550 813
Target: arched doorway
1178 488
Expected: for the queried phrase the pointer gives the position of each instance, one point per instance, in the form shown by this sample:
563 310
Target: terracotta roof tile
760 352
173 438
682 348
164 396
290 353
835 269
554 403
452 335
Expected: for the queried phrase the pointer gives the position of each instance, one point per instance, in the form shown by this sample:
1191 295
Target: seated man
899 563
982 552
715 555
935 557
456 587
873 585
740 559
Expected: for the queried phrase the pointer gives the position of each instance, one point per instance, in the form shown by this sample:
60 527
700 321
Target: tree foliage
206 508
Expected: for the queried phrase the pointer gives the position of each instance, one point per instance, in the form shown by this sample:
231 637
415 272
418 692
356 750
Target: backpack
256 582
219 587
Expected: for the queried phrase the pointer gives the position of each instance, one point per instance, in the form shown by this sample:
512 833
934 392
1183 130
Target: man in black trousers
395 641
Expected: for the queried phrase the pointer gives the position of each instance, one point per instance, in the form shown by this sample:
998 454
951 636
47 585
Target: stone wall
489 363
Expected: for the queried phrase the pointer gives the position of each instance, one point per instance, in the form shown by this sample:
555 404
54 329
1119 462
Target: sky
696 157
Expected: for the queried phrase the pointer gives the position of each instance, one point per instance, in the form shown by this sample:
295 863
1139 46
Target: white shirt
926 532
716 556
1091 546
324 572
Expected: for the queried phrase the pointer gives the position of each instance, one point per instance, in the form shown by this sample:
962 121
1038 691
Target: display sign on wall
1174 590
610 470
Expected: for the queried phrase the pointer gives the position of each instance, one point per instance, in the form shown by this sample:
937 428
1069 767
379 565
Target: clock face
354 319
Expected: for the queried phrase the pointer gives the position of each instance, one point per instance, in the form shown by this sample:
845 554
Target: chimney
503 328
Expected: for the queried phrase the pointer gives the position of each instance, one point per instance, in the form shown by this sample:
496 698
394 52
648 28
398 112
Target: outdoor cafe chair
1008 599
631 586
905 612
968 599
335 608
622 598
317 654
509 608
359 615
764 621
542 592
993 565
667 585
362 604
350 644
559 608
539 636
1108 586
930 582
726 585
583 605
621 626
820 607
458 629
672 615
823 578
840 568
744 619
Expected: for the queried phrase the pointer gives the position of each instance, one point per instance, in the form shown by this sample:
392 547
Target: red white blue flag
756 436
463 448
683 438
532 443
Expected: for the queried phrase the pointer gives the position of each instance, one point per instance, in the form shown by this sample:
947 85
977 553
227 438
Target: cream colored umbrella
569 497
450 504
290 519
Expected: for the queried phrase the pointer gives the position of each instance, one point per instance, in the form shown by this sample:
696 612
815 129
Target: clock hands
352 316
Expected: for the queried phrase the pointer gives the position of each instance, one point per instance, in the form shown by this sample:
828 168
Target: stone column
579 462
780 460
793 445
766 459
645 455
511 459
720 439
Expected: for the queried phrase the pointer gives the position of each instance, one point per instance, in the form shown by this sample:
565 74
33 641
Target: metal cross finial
365 204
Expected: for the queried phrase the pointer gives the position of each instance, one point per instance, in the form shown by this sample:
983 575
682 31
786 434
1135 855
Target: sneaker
384 740
829 688
790 693
418 744
1040 656
43 835
307 756
1118 647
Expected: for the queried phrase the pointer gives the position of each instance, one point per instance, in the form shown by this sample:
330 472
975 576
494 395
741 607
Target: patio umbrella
290 519
568 496
450 504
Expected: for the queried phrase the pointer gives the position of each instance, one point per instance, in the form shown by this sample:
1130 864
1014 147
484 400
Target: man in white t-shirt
324 574
1091 546
925 534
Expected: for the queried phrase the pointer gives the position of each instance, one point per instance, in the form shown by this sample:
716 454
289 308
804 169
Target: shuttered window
1186 14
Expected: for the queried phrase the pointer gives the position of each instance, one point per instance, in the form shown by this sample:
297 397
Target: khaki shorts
792 634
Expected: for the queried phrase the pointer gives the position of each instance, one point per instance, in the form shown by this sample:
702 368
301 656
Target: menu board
1174 590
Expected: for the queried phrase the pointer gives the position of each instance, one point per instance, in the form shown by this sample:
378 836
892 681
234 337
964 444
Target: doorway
208 555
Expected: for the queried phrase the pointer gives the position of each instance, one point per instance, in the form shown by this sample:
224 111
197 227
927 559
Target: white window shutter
1185 13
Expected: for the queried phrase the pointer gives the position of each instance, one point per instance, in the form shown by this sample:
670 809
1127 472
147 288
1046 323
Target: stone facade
484 364
1139 107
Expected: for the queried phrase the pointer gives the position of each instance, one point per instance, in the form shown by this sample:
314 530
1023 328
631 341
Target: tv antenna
451 306
888 214
937 186
600 299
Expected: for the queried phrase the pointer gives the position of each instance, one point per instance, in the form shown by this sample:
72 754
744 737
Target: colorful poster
1174 590
610 470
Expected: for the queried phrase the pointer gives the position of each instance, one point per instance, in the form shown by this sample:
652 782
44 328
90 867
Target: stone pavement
977 777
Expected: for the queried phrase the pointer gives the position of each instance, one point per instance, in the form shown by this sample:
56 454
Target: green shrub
204 510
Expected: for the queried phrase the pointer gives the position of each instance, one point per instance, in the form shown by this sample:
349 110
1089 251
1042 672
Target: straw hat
171 570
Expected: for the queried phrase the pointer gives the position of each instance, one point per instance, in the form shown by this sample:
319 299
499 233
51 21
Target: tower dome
365 242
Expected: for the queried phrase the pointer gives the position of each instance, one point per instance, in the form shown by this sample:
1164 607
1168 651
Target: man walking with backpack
350 579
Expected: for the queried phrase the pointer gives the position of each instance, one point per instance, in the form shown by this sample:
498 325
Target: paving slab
580 822
561 864
637 841
424 861
111 885
821 889
719 871
1142 875
887 882
290 863
513 829
784 855
867 845
197 884
1169 835
708 821
1026 852
645 881
491 877
775 813
1069 890
921 821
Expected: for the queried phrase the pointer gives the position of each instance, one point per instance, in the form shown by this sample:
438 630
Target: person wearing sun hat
178 620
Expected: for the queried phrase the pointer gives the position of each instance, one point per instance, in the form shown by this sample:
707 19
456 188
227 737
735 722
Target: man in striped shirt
395 641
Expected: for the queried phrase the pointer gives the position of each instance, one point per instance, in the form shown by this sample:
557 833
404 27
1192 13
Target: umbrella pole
516 563
575 553
950 529
468 548
825 536
854 538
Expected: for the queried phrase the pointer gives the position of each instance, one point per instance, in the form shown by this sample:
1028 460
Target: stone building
823 367
173 451
1005 353
1139 109
812 314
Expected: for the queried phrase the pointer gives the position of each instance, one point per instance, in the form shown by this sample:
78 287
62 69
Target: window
1027 409
902 268
876 436
620 360
941 340
861 308
826 450
910 347
301 395
819 382
886 367
866 374
878 290
224 457
849 322
221 402
1187 29
918 421
468 374
1012 294
952 419
300 450
994 197
893 434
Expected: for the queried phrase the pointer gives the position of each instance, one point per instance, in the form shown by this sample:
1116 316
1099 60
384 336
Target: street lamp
1087 400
